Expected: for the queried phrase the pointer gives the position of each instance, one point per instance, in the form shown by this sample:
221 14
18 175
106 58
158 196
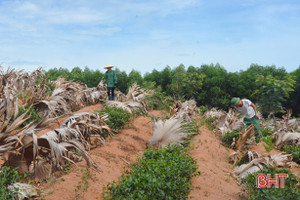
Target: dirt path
112 157
215 181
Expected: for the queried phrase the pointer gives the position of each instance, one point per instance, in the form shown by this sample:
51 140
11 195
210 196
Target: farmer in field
247 108
111 81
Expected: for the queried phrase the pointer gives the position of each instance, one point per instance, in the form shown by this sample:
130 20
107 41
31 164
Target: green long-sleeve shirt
111 79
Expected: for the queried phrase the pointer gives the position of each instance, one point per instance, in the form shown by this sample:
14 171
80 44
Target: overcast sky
143 35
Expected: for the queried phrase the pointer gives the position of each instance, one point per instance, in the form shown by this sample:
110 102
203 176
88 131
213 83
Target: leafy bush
266 132
8 176
269 141
159 101
203 109
228 138
294 150
117 117
159 174
35 116
290 191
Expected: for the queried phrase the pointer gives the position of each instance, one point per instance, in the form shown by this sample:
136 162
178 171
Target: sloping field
112 157
215 181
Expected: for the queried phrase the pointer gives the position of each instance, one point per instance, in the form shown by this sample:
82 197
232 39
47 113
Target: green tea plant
203 109
8 176
159 101
290 191
159 174
117 117
192 128
294 150
209 122
266 132
228 137
269 141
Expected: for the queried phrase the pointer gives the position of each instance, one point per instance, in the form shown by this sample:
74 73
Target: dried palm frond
187 110
278 160
284 137
119 96
244 136
94 95
168 132
136 93
214 113
66 97
88 125
249 155
118 104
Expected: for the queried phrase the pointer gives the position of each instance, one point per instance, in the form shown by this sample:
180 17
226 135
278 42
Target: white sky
144 35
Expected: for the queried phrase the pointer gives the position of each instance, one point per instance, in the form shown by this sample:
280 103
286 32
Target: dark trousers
111 93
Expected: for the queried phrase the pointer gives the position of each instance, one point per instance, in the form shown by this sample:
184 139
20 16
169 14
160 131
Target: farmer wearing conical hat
247 108
111 81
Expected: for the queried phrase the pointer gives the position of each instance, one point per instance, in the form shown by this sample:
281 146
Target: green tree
123 81
273 92
135 76
293 101
214 91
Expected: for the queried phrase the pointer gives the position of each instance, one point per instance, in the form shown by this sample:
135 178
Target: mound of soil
215 181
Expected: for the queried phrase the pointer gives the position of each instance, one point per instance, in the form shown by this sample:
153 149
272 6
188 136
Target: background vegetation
272 88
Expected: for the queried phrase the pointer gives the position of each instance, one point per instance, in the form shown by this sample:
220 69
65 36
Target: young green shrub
269 141
210 122
8 176
290 191
228 137
159 101
159 174
192 128
203 109
266 132
294 150
117 117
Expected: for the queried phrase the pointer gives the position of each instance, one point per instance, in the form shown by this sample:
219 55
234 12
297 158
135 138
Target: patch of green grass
67 167
294 150
159 174
210 122
83 185
290 191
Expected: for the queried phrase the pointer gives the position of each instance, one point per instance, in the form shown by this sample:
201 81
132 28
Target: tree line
271 87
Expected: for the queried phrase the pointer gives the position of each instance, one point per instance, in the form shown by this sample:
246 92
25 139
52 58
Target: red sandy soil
215 181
